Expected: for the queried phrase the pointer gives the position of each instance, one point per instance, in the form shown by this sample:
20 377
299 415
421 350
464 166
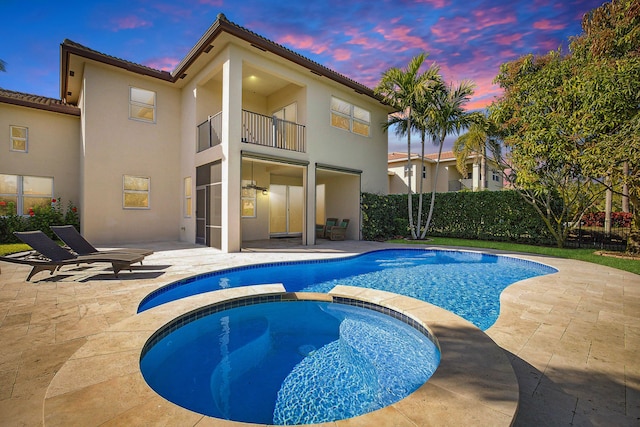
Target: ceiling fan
253 186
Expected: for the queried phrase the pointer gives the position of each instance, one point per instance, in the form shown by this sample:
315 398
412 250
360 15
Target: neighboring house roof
37 101
204 46
400 157
432 158
445 155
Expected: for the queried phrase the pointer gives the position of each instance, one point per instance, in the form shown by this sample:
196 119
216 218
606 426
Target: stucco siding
116 146
53 148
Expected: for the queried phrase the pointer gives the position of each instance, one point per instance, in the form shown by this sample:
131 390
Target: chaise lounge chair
339 231
322 231
55 256
78 244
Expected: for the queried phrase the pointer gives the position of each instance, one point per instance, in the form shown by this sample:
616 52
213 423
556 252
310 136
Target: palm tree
480 138
3 65
406 90
447 115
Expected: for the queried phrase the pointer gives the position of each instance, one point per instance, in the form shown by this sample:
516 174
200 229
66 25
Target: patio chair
339 231
78 244
322 231
55 256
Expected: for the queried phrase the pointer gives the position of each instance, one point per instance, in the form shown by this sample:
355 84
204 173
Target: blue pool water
295 362
466 283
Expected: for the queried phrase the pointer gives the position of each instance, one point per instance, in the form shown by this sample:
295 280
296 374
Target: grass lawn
12 248
588 255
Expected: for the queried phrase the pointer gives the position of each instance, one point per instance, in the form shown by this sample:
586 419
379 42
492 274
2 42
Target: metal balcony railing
210 132
272 132
256 129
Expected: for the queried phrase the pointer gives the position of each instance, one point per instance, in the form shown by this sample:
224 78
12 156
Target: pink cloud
402 34
302 42
546 24
438 4
164 64
445 28
341 54
485 18
507 39
129 23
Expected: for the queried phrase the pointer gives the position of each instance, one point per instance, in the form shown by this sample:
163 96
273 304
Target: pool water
294 362
466 283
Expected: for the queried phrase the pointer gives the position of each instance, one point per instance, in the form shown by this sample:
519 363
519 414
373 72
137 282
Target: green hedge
485 215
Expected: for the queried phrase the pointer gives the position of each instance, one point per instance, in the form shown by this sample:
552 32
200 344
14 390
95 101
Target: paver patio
573 337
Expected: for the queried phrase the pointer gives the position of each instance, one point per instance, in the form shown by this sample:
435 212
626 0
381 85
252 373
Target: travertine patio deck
573 337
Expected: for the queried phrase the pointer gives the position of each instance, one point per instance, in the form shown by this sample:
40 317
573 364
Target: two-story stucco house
244 140
449 178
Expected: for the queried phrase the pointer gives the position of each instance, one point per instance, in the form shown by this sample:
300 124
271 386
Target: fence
598 237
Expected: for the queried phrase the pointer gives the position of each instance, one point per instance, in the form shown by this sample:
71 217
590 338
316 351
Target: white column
231 157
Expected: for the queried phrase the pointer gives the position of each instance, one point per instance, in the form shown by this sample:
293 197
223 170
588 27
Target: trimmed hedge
485 215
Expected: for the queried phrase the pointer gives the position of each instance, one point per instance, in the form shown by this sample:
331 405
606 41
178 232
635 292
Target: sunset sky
360 39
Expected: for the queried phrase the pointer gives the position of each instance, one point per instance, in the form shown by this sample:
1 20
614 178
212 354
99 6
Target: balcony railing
272 132
256 129
210 132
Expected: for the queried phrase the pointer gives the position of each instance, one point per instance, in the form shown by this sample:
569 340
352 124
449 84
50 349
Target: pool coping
474 383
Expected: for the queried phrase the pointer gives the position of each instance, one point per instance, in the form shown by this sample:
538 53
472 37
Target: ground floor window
22 194
188 199
136 191
248 199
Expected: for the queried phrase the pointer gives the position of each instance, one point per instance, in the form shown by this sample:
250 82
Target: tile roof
37 101
222 24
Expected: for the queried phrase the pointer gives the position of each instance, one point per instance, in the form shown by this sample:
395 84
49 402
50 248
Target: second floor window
19 136
142 105
350 117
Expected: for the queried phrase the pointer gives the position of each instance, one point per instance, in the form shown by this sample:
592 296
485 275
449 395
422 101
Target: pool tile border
202 312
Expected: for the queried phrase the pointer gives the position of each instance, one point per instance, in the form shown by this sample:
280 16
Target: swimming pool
464 282
274 361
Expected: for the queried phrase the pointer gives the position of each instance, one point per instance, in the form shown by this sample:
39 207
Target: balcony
271 131
256 129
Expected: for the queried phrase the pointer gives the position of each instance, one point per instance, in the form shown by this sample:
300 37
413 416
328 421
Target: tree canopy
571 120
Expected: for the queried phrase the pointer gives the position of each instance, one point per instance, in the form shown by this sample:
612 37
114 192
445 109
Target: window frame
12 139
139 104
248 195
20 195
351 117
126 191
188 197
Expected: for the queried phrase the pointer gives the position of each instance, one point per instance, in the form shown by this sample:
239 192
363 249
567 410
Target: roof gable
203 46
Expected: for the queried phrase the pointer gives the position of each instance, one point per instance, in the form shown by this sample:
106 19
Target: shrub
39 218
618 219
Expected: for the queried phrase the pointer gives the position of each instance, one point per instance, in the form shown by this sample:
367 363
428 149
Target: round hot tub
274 360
